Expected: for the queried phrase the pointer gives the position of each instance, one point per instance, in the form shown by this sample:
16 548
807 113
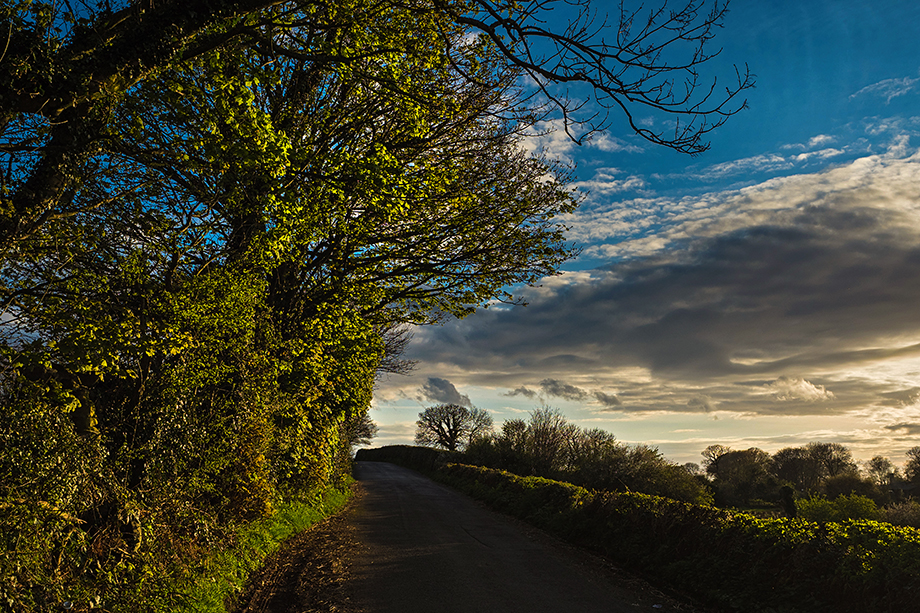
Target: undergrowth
222 575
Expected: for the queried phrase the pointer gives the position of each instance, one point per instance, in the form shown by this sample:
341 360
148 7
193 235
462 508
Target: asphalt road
425 549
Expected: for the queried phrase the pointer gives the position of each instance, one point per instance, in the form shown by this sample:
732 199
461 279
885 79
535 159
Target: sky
762 294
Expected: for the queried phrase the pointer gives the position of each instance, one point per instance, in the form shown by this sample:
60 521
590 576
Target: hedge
731 560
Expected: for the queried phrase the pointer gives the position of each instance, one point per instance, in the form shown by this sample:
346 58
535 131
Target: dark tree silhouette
451 426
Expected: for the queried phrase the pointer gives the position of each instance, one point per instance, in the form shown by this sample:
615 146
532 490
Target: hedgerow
731 560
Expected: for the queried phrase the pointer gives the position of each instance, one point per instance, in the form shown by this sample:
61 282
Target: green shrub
820 509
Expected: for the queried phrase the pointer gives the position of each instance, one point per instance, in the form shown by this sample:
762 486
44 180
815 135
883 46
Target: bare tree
451 426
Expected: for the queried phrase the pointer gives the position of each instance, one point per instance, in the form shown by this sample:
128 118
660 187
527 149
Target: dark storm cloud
442 390
808 292
552 387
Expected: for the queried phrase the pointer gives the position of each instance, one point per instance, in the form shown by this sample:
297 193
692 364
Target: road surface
425 549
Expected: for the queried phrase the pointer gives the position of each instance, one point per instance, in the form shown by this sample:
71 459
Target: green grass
224 573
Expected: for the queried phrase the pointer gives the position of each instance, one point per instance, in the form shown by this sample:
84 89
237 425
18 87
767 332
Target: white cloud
551 139
796 388
758 163
606 182
611 144
815 141
640 227
821 154
888 88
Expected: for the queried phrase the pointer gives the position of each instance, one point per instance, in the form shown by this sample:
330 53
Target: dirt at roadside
309 573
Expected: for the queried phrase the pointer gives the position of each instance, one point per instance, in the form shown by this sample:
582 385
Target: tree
451 426
834 458
797 466
67 69
711 457
880 470
912 466
217 218
742 475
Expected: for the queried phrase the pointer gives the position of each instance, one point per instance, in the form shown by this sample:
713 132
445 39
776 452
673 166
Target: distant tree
550 438
451 426
835 458
880 469
743 475
711 457
851 483
912 467
796 466
362 431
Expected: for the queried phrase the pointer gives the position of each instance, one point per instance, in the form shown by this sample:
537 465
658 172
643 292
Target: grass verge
223 574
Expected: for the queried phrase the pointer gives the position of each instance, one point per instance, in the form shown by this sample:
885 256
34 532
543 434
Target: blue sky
761 294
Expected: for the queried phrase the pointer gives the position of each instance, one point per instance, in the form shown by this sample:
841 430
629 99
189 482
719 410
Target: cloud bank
796 296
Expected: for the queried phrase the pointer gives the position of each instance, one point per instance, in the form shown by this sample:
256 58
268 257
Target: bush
905 513
820 509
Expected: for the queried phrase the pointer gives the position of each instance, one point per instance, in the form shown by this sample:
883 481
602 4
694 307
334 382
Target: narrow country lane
425 549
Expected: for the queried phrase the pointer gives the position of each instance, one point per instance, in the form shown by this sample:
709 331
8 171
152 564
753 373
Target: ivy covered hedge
731 560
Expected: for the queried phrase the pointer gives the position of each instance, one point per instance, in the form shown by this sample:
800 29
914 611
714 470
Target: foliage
881 470
741 476
216 218
820 509
827 468
912 468
223 573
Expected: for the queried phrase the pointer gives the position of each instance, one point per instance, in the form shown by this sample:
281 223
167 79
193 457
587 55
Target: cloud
888 88
759 163
608 400
551 139
393 434
821 154
901 398
907 428
815 141
552 387
611 144
606 184
802 288
442 390
522 391
796 388
701 403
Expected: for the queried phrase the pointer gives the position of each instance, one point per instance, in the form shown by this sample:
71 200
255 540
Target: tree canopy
451 426
217 218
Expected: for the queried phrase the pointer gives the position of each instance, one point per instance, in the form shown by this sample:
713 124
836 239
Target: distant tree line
824 476
548 445
740 477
